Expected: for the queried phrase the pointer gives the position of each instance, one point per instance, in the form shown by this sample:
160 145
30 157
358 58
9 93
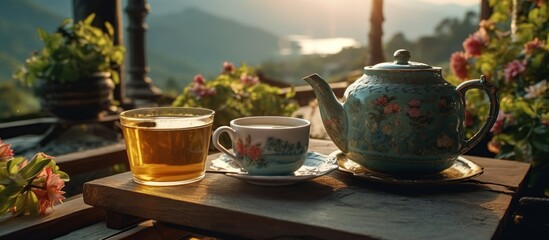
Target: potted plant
236 92
73 74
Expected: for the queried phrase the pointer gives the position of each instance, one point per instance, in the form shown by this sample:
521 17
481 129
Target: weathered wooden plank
94 159
336 206
92 232
65 218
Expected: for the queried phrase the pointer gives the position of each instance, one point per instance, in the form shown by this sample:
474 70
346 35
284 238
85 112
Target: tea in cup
167 145
266 145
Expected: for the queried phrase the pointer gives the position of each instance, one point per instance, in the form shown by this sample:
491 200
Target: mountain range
189 37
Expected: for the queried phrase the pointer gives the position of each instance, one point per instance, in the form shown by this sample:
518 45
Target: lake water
304 45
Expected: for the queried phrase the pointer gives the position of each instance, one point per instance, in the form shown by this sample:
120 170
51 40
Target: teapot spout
331 110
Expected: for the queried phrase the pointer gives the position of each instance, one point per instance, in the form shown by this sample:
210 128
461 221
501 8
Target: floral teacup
266 145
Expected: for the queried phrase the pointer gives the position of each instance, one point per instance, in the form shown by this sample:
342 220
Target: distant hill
178 45
18 22
323 18
205 40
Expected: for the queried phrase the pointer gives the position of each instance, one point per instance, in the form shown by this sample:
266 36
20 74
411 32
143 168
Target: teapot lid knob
402 56
402 62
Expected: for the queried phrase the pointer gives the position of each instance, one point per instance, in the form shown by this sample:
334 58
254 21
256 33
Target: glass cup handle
217 144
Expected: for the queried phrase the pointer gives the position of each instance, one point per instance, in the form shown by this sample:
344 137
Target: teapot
402 117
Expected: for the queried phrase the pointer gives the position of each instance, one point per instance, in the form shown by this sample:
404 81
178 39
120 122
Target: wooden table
335 206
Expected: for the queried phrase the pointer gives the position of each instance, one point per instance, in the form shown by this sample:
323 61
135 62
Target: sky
458 2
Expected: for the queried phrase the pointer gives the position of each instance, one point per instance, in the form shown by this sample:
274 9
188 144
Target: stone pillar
139 86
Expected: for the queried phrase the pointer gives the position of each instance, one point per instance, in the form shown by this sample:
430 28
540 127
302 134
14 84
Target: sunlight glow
457 2
298 44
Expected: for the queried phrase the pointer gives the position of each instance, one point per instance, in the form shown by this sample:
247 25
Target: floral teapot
401 118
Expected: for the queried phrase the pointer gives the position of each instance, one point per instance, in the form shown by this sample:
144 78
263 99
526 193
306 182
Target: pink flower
391 108
200 91
199 79
531 46
199 88
494 146
228 67
50 192
469 119
414 103
381 100
498 125
248 80
513 69
473 45
458 64
254 152
6 152
240 149
536 90
414 112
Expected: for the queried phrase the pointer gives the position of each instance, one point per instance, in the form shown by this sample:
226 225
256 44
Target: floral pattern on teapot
405 125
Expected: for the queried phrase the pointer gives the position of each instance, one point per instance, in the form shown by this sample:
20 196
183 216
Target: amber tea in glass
167 145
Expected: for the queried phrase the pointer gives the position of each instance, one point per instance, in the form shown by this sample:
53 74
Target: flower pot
84 99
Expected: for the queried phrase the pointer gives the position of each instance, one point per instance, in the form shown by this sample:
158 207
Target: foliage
16 102
434 49
29 187
73 51
236 92
517 61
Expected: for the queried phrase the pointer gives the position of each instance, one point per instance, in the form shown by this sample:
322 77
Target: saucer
315 165
463 169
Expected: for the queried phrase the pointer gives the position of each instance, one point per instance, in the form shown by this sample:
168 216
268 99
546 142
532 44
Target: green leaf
11 191
89 19
42 34
64 176
34 168
21 203
32 204
6 203
110 29
540 142
13 165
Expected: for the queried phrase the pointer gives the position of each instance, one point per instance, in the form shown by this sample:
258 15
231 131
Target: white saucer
315 165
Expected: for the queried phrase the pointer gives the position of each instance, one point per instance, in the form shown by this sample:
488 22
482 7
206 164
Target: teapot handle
491 90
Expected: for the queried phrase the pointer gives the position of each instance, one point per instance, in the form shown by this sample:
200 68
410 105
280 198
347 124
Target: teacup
266 145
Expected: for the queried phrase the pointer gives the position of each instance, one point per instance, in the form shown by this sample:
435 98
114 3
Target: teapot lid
402 62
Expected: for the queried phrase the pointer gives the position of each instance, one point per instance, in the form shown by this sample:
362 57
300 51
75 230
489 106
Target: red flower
414 103
473 45
254 153
469 119
513 69
240 148
381 100
248 80
414 112
228 67
458 63
6 152
199 88
531 46
498 125
391 108
199 79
